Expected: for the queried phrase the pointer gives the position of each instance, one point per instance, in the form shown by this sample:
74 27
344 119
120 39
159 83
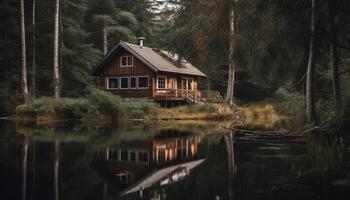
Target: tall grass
327 158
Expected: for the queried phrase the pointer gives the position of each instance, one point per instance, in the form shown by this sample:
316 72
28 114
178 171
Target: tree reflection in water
84 162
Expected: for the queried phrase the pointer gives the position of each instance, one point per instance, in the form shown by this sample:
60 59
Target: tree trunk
60 50
56 78
310 101
57 170
105 47
34 167
231 75
24 167
24 83
33 59
334 55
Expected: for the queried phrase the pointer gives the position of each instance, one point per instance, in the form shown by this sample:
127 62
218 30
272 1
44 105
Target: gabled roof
156 60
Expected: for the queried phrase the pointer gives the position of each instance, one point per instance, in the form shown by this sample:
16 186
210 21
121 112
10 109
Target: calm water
167 161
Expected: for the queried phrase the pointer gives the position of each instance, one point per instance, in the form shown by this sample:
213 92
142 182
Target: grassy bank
207 111
102 107
98 105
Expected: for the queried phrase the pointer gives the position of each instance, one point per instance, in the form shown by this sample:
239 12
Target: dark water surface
166 161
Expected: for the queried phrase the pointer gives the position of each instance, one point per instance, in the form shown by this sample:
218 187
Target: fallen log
10 117
265 134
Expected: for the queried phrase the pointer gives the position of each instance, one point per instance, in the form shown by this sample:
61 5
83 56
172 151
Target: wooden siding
114 69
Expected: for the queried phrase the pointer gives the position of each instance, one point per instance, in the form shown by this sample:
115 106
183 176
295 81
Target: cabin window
190 84
124 82
143 157
132 82
124 155
127 61
132 156
112 83
161 82
143 82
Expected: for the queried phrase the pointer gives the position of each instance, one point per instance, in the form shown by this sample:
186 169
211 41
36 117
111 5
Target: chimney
141 39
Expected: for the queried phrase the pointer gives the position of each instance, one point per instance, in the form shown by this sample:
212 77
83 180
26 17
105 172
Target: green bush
64 107
106 103
96 103
110 104
135 108
291 104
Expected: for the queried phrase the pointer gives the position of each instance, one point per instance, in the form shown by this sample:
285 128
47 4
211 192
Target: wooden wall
139 69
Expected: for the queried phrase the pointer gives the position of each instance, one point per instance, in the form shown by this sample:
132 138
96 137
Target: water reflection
56 164
131 160
143 161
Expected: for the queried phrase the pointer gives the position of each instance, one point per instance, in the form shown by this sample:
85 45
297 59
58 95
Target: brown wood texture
114 69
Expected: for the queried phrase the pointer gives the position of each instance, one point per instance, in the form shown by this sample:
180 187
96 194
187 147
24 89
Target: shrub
291 104
96 103
212 96
105 103
64 107
136 108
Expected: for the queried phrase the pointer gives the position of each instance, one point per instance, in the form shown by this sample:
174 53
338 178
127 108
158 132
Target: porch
192 96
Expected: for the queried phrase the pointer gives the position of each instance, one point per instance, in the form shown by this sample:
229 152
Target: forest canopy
271 43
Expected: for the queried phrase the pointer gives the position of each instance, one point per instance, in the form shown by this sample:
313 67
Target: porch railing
191 95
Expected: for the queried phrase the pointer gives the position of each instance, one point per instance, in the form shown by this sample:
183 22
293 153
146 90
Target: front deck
192 96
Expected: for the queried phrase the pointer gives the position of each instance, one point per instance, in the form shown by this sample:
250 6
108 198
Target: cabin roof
157 60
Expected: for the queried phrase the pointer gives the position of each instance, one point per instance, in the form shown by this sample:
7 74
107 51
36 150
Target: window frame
127 61
138 82
161 76
112 77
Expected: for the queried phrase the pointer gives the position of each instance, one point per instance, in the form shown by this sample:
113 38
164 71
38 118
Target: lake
169 160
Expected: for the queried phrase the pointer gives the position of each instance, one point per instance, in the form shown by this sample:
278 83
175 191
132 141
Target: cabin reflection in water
132 160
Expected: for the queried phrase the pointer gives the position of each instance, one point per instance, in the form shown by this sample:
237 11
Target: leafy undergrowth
98 105
193 112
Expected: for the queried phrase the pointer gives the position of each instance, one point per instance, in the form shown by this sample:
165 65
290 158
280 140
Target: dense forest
296 51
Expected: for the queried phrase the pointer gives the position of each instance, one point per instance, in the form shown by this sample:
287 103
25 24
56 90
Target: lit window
190 84
132 82
161 82
127 61
143 82
113 83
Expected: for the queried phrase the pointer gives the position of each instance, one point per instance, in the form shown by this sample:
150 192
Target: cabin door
187 84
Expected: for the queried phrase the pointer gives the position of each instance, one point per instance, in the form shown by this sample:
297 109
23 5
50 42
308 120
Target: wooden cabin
136 71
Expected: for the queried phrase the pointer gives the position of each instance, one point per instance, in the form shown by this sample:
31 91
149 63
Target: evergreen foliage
272 43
